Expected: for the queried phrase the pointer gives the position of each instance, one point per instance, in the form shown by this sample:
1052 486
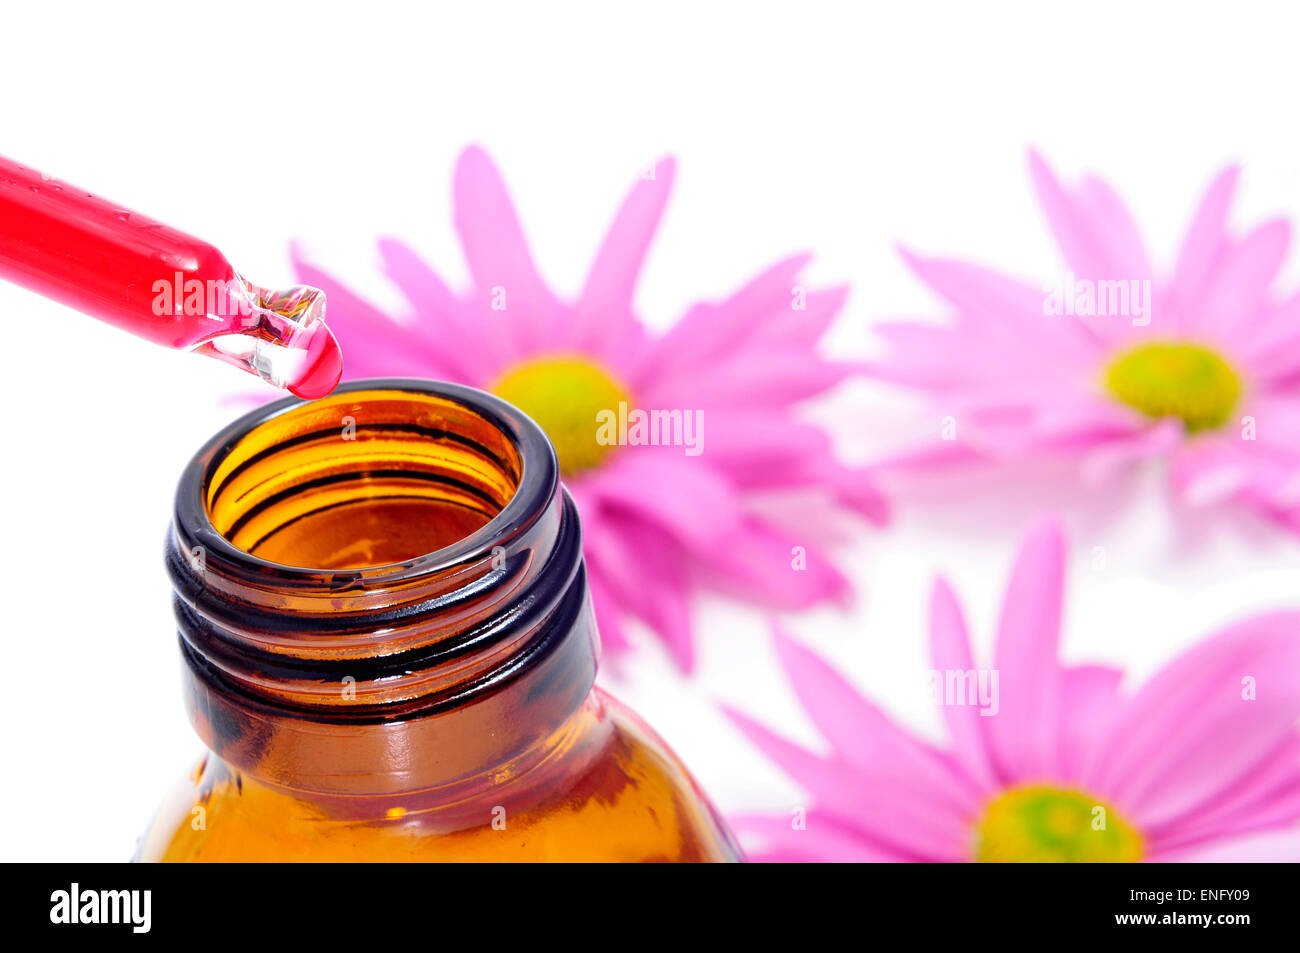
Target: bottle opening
362 479
360 569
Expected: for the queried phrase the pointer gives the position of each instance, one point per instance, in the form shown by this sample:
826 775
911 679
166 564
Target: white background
837 128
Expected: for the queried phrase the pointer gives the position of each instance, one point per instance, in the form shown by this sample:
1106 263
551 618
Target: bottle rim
537 484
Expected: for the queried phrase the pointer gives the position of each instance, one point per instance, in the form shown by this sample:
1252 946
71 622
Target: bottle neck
381 592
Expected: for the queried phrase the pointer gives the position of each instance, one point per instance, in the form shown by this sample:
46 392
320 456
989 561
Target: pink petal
472 355
710 331
929 356
1266 795
1004 310
608 613
645 571
374 345
804 327
1239 284
677 493
856 487
772 378
759 563
497 253
1279 846
1083 248
823 840
757 448
1025 733
859 732
1092 251
950 652
1151 440
1111 218
1089 704
892 810
1208 471
1189 734
1271 353
1204 241
606 301
761 450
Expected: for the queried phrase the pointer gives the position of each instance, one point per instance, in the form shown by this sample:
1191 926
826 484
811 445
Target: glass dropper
159 283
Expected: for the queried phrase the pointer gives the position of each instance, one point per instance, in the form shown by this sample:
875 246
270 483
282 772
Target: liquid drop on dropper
280 336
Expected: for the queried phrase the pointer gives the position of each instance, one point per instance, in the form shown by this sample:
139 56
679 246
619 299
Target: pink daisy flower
1047 762
1200 366
721 386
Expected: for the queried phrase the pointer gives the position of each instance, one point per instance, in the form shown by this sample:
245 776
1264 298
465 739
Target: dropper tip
323 368
281 337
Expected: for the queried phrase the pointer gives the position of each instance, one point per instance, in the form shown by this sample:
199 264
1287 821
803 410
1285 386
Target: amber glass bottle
389 649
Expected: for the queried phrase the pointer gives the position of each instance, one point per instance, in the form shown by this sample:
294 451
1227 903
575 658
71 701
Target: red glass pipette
159 283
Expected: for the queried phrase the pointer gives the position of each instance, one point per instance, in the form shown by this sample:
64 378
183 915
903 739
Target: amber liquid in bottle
390 654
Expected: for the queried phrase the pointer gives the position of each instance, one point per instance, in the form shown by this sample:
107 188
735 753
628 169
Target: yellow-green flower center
565 395
1043 824
1176 379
